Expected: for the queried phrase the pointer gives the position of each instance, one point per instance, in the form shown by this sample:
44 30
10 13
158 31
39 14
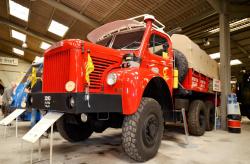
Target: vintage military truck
130 77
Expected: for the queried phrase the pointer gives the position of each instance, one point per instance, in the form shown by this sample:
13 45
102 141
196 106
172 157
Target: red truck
129 77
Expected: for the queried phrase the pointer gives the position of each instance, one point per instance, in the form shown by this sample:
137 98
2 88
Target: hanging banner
8 61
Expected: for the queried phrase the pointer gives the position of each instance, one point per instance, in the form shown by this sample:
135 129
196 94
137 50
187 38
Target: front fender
134 82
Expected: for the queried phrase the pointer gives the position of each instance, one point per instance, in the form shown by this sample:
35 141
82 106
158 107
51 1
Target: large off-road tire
142 132
73 129
209 115
181 64
196 118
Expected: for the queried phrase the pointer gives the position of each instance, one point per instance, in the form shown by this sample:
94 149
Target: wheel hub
150 130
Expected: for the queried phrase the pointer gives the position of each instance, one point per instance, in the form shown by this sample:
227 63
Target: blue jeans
34 114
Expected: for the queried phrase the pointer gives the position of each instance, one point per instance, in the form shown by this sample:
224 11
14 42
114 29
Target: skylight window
58 28
235 62
45 45
232 62
215 55
18 11
18 51
234 26
18 35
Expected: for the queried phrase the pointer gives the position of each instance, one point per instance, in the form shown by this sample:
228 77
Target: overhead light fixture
214 30
18 11
206 42
58 28
24 45
45 45
18 51
234 26
18 35
235 62
233 81
215 55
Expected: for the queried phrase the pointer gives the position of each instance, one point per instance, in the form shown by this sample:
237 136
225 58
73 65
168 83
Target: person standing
7 99
35 85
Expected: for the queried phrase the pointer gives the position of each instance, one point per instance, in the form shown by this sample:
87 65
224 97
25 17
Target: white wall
9 73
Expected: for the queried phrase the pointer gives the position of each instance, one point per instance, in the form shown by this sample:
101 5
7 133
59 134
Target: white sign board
7 120
233 109
216 85
37 131
8 61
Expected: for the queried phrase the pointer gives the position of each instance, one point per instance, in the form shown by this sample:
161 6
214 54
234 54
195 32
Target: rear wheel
73 129
210 115
142 131
196 118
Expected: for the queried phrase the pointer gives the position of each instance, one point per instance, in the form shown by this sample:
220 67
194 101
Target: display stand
7 120
216 111
216 89
185 125
39 129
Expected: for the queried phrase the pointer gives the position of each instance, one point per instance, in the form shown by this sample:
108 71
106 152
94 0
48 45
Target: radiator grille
100 66
56 73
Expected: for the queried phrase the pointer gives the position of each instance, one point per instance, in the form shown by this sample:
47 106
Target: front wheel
142 132
73 129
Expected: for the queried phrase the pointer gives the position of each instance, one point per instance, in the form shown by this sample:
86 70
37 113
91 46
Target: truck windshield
131 40
128 40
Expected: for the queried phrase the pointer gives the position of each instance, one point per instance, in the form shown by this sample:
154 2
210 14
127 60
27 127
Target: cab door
159 58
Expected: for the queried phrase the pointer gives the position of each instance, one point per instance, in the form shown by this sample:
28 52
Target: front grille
100 66
56 72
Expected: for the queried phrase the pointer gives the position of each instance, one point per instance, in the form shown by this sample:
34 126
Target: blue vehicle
20 96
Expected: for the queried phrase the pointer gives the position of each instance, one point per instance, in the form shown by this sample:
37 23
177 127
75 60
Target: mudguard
133 83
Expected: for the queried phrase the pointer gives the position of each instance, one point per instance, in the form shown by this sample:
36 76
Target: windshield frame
113 36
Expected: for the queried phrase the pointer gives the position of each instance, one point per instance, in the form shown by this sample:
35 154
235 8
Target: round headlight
111 78
84 117
70 86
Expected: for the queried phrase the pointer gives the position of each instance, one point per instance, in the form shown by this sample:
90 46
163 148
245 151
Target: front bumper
60 102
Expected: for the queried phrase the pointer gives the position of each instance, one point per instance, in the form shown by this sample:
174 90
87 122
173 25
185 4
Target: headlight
70 86
111 78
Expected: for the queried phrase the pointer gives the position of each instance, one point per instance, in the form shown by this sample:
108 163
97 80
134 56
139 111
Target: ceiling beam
8 43
216 5
196 19
239 8
73 13
117 8
242 49
4 53
26 31
234 42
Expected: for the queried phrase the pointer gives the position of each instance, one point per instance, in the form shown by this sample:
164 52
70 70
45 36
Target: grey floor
214 147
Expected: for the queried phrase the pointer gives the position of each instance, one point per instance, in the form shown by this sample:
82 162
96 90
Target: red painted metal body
66 61
195 81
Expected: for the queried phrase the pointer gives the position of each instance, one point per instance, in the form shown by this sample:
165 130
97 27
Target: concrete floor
212 148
